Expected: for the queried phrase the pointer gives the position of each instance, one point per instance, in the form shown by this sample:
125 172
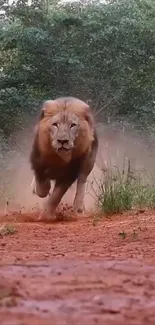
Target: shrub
123 190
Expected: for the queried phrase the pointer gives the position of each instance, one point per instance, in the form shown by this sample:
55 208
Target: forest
100 52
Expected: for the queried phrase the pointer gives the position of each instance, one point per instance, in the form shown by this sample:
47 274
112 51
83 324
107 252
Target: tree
100 52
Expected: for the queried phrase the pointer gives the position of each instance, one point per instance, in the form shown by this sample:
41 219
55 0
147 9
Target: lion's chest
64 172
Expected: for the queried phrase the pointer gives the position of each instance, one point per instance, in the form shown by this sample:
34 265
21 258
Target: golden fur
64 148
72 106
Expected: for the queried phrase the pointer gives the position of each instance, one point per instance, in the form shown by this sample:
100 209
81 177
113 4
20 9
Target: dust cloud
115 145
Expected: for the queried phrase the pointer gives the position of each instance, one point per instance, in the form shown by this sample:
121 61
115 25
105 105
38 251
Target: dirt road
74 272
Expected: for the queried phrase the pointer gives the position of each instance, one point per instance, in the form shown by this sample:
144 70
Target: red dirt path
73 273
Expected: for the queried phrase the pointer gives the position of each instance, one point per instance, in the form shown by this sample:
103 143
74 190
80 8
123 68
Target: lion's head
64 128
68 124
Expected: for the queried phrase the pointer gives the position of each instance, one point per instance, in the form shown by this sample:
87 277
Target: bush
101 52
125 190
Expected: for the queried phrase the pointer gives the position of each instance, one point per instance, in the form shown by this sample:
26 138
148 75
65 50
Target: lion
64 150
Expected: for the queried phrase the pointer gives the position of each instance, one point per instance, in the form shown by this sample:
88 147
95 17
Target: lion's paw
79 207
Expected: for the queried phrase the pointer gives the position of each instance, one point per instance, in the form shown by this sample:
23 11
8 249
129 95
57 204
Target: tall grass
123 189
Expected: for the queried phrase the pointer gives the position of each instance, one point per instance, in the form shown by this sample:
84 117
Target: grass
122 234
125 189
134 234
7 230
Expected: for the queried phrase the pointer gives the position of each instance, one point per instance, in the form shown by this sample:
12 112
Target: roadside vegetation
125 189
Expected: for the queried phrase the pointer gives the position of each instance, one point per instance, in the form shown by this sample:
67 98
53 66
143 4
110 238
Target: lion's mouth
63 149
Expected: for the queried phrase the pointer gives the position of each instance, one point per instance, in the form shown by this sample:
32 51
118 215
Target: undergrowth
7 230
125 189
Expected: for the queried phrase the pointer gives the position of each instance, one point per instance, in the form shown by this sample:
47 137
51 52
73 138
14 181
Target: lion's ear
47 109
41 116
89 117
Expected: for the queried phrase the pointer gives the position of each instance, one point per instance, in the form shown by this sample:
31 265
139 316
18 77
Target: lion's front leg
86 168
78 205
54 199
40 188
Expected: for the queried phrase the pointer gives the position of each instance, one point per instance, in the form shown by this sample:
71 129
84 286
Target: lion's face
67 127
64 128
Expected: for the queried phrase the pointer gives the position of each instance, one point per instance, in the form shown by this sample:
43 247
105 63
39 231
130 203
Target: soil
78 271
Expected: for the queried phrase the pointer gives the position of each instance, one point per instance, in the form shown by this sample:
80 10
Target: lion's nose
62 142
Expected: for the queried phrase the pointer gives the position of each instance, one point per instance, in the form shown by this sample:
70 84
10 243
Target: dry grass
125 189
7 230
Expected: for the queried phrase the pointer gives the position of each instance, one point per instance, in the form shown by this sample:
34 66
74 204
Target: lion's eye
55 124
72 125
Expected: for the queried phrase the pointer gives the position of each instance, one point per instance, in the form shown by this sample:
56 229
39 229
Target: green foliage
123 190
103 53
116 193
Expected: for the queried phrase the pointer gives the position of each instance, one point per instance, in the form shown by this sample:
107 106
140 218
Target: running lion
64 150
